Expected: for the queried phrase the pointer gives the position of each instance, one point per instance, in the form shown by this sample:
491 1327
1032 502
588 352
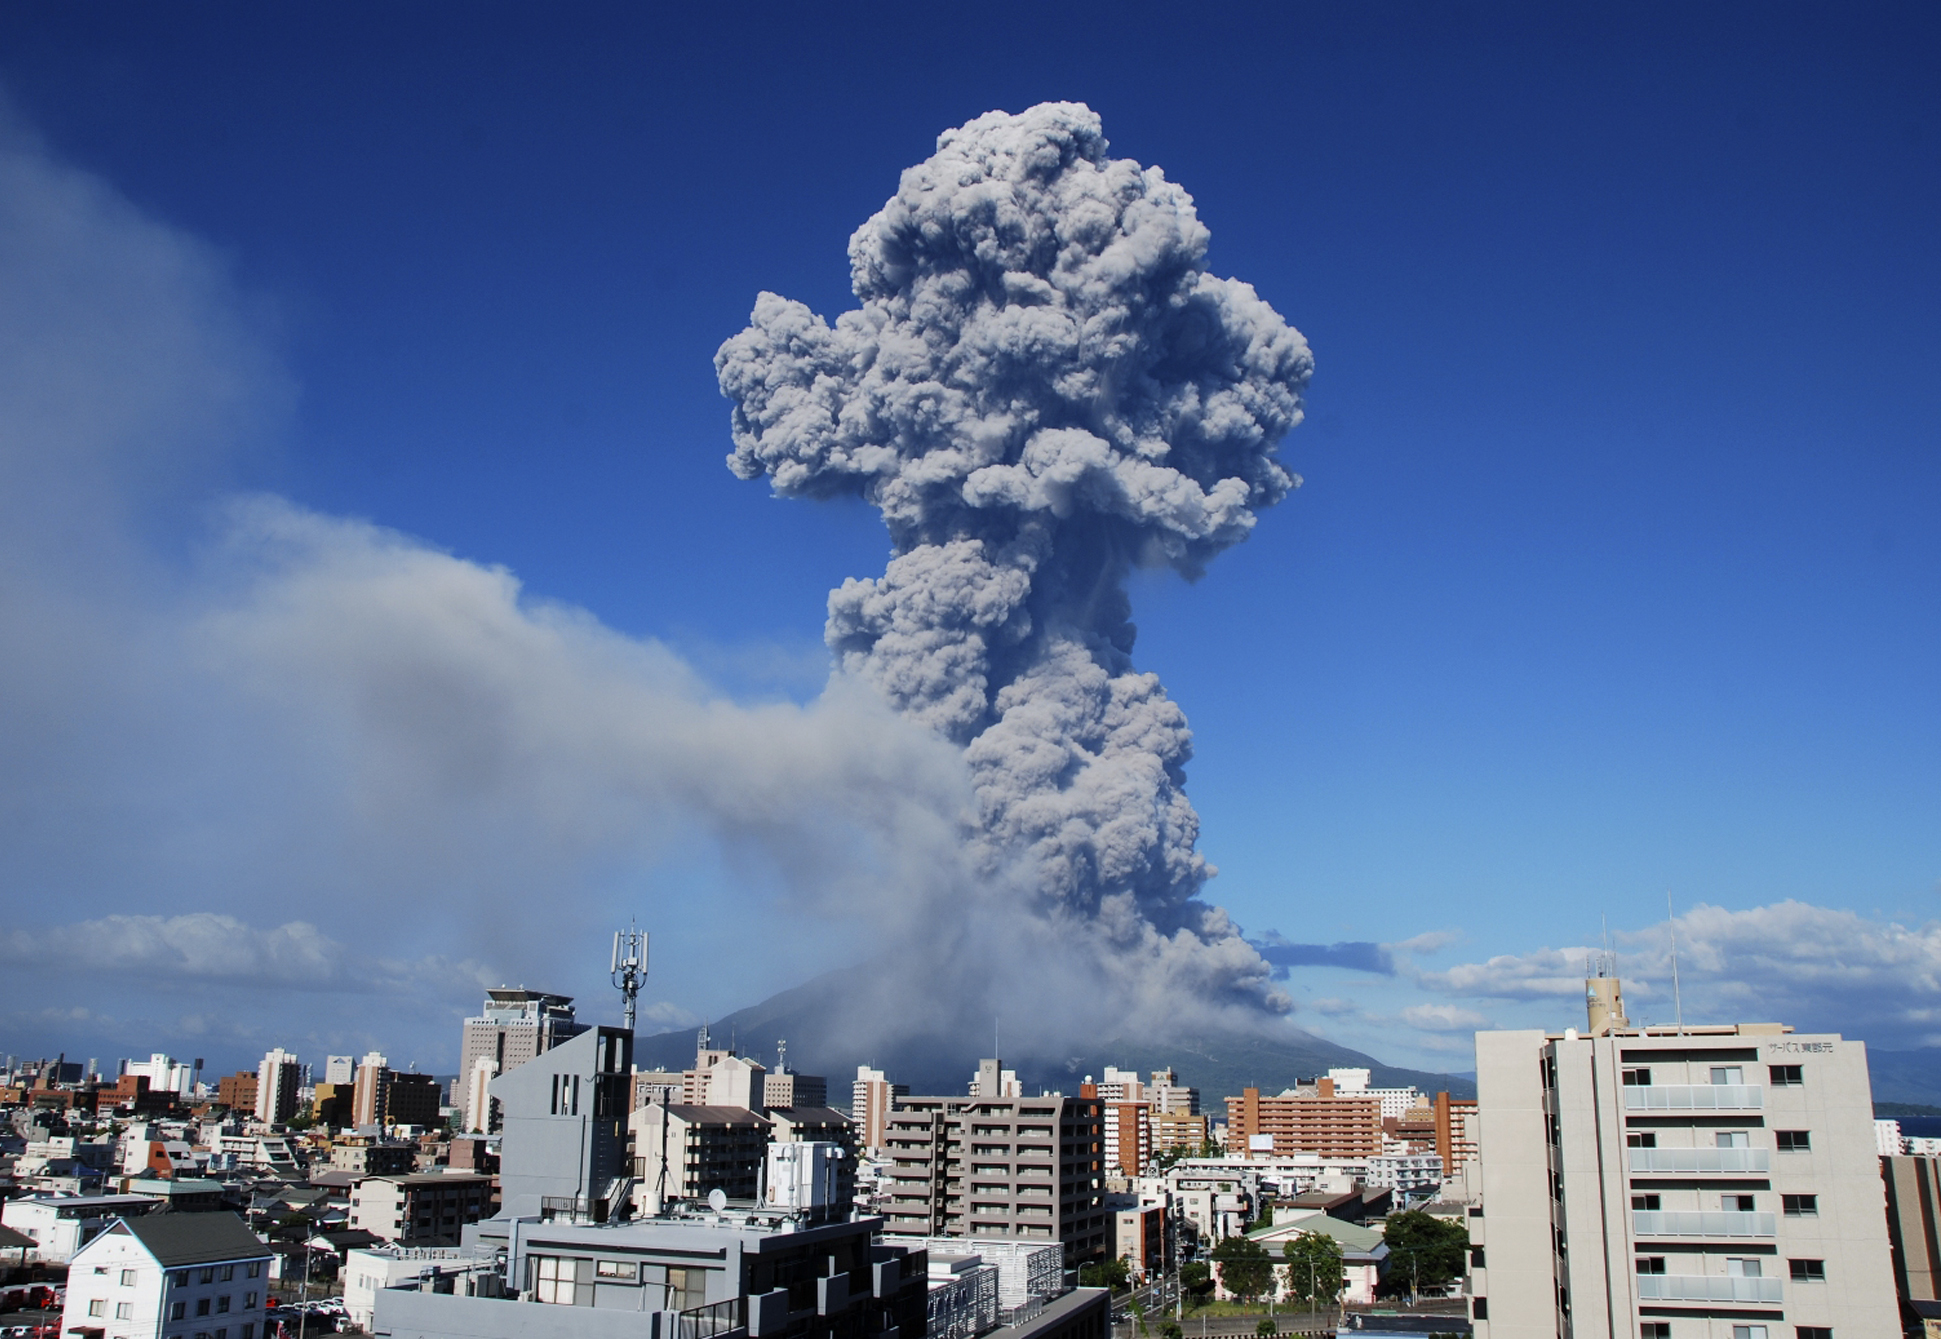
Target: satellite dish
718 1200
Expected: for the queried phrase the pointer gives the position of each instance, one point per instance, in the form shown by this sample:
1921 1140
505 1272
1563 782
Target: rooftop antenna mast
629 966
1677 1002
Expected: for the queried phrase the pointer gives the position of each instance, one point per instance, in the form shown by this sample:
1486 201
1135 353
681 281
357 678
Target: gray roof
697 1114
194 1238
811 1115
12 1240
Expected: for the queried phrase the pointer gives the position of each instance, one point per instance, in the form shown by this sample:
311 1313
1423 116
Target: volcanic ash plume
1042 388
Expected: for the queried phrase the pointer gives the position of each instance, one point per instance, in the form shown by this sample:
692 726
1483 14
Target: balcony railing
1706 1288
1701 1223
1699 1160
705 1322
1693 1097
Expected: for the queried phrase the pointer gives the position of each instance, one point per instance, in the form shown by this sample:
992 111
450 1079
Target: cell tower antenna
1677 1002
629 966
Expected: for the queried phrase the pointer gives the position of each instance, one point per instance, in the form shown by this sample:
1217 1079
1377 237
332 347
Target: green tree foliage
1170 1330
1196 1277
1313 1267
1423 1252
1266 1329
1244 1267
1114 1274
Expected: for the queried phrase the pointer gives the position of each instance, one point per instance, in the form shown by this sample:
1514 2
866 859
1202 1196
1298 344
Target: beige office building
1661 1183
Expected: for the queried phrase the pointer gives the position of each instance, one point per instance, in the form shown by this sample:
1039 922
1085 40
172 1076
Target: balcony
1699 1161
1693 1097
1701 1223
1706 1288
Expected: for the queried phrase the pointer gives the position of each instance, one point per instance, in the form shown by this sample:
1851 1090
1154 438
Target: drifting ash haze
1042 389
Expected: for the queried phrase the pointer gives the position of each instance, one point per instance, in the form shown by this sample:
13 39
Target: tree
1170 1330
1266 1329
1244 1267
1196 1277
1313 1267
1423 1251
1114 1274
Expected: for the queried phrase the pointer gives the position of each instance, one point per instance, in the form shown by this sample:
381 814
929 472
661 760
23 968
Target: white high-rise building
340 1069
1355 1082
278 1078
870 1100
1678 1183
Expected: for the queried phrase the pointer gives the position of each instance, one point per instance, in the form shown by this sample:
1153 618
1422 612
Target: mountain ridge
813 1018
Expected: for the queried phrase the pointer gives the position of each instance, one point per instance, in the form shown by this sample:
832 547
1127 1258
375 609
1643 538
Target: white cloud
1443 1018
1822 968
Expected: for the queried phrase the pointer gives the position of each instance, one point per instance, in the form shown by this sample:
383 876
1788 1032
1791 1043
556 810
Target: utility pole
629 966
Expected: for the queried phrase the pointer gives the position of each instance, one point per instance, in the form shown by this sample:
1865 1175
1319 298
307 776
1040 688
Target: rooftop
192 1238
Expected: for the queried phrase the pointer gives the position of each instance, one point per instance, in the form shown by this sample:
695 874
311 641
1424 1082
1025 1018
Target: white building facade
1701 1183
170 1276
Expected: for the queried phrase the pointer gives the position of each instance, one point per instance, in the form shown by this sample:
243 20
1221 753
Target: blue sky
1615 569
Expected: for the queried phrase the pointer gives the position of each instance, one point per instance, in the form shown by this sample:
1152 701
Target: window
1744 1269
1800 1206
1807 1271
202 1306
222 1304
1479 1308
617 1269
1794 1141
1645 1140
554 1277
97 1307
249 1330
227 1273
1651 1264
253 1269
1785 1076
1813 1331
180 1278
178 1311
208 1276
1637 1078
1737 1203
127 1278
1748 1332
124 1310
1648 1203
1731 1139
1476 1257
1655 1329
249 1301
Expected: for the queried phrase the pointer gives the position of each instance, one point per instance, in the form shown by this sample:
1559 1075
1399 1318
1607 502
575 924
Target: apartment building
169 1276
1456 1140
1914 1223
1313 1119
1178 1131
1714 1182
870 1099
237 1091
1008 1167
424 1209
277 1080
683 1150
1128 1136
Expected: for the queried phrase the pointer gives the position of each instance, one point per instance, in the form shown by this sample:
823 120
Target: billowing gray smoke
1042 388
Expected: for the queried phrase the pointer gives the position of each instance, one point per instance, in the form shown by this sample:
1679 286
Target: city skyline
384 624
